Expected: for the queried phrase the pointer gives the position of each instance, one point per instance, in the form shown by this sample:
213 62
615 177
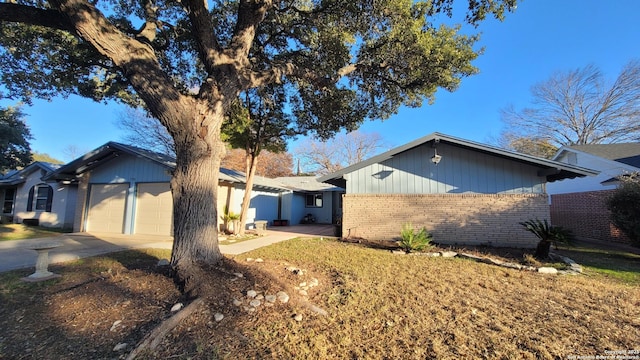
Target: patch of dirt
85 315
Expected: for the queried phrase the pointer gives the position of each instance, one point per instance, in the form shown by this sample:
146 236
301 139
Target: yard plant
548 235
624 205
414 241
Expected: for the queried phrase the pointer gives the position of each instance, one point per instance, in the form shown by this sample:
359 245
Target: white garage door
154 209
106 208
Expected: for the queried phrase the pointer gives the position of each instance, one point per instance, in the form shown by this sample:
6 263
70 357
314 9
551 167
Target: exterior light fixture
436 158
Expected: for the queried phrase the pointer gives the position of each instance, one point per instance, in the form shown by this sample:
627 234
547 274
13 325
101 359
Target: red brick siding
475 219
586 214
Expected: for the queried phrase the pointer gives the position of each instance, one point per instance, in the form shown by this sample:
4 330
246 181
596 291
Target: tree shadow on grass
118 298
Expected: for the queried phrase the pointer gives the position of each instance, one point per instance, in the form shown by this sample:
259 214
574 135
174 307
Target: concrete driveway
18 254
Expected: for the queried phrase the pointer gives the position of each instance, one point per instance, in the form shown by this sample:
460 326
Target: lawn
379 305
21 231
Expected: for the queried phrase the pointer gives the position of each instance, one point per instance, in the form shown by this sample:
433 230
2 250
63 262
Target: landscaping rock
177 307
398 252
283 297
163 262
297 317
318 310
218 317
259 260
120 347
237 302
303 292
270 298
240 275
251 294
448 254
255 303
547 270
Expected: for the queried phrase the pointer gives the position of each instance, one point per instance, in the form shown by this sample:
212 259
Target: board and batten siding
460 171
130 169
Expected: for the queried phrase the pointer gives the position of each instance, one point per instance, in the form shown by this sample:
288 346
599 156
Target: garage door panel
154 209
107 208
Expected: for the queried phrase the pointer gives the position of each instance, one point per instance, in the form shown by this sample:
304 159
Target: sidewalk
18 254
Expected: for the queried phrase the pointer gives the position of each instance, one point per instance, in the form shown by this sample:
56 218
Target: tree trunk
252 165
543 249
194 187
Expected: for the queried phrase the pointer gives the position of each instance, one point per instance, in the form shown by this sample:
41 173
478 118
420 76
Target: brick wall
586 214
474 219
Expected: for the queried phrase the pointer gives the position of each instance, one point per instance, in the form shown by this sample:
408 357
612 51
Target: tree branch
30 15
204 33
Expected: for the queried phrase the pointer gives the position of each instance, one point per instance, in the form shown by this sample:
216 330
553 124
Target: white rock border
574 268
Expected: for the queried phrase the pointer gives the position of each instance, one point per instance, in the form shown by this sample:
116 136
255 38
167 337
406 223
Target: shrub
548 235
414 241
624 205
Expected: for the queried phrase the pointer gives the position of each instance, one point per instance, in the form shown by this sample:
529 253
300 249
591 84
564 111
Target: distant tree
624 205
580 107
15 151
44 157
531 146
324 157
144 131
72 152
271 165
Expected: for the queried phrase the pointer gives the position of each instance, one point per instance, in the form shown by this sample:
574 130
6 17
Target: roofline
461 142
76 164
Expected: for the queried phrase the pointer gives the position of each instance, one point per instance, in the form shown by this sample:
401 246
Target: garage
154 209
107 208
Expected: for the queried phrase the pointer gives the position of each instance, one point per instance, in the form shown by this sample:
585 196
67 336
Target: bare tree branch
578 107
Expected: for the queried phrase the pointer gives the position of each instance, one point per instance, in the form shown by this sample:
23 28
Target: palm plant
548 235
414 241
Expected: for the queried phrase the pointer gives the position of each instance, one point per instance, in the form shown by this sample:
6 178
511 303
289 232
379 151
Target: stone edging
574 268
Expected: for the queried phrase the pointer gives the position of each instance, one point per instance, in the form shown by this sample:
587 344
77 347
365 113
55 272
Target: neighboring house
323 202
463 192
28 198
580 204
124 189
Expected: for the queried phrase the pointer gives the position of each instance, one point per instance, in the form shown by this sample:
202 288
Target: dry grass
21 231
380 306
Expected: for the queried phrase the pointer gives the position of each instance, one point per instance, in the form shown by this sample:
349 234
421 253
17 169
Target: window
9 198
314 200
40 198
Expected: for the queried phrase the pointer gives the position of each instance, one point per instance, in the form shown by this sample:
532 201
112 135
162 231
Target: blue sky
540 38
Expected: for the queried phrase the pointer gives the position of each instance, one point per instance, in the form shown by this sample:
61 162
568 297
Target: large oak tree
340 61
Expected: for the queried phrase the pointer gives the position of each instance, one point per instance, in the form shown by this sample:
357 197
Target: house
580 204
463 192
124 189
28 198
310 199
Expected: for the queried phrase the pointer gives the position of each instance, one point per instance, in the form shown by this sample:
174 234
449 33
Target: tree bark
543 249
194 188
252 165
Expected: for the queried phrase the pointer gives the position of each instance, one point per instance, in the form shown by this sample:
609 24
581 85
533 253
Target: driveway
18 254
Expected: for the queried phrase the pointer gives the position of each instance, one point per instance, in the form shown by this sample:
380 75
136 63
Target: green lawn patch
21 231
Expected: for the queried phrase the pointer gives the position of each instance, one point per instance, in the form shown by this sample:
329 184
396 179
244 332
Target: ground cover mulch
378 305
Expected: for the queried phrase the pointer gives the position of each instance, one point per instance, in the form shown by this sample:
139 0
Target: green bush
624 205
414 241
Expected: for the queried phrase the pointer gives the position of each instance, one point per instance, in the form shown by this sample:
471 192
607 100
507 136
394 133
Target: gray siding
459 171
128 168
